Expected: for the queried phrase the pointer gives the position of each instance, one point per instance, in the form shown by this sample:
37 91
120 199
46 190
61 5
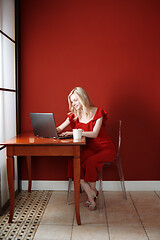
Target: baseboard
107 185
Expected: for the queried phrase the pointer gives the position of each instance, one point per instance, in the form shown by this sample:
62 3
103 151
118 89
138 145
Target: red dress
97 150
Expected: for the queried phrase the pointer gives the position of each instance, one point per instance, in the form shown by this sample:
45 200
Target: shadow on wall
140 139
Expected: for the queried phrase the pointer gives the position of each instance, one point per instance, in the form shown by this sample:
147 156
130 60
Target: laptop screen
44 125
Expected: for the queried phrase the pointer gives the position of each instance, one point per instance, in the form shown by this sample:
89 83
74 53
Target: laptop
44 126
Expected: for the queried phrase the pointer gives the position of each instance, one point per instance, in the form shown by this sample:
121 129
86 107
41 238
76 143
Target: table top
28 138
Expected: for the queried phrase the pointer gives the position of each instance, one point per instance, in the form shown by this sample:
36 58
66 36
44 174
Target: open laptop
44 126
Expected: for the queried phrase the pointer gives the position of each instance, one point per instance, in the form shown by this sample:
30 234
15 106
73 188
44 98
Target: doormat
28 211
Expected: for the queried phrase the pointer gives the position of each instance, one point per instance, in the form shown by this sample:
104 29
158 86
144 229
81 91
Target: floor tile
62 215
153 233
142 193
61 198
44 239
115 193
119 205
146 207
147 204
91 217
53 232
58 197
129 233
89 233
57 211
152 221
115 196
123 220
121 212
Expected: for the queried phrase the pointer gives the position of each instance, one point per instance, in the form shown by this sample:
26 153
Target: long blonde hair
84 100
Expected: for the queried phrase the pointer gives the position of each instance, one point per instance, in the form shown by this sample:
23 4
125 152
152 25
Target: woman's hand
58 130
65 134
63 125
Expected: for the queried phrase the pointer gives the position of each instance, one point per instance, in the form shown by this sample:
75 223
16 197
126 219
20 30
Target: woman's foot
96 196
87 203
92 208
92 199
91 192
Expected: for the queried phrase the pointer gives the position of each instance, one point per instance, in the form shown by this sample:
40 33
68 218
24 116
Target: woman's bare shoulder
93 110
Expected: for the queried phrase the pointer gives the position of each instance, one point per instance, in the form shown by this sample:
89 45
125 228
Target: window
7 89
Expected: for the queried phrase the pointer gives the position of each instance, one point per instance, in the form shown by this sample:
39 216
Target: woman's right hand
65 134
58 130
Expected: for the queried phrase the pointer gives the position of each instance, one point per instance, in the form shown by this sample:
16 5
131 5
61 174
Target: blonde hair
84 100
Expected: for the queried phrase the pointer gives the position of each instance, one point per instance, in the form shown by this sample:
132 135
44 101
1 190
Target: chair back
114 130
116 162
119 135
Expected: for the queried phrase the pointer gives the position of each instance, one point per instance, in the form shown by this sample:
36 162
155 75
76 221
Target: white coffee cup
77 134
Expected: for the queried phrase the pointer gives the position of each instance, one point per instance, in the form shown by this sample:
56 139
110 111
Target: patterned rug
29 208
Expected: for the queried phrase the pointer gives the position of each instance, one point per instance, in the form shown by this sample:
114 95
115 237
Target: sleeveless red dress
97 150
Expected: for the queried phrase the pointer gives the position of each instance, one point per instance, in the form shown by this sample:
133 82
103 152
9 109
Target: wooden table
26 144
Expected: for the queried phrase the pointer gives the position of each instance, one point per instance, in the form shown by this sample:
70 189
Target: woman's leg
89 191
89 188
93 187
85 153
93 164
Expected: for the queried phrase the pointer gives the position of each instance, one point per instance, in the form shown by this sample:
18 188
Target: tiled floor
137 218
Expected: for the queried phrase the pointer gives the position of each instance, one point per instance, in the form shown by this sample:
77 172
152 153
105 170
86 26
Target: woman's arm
89 134
96 129
63 125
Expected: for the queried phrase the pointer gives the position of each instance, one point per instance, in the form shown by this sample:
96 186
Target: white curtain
7 82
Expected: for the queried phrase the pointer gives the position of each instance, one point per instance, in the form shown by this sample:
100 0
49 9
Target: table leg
76 164
10 175
29 173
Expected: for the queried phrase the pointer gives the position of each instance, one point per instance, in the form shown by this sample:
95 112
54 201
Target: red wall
112 49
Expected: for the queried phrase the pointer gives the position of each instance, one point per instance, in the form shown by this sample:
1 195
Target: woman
99 148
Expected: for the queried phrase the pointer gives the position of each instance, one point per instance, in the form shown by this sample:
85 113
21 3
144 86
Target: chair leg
100 191
69 191
120 170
